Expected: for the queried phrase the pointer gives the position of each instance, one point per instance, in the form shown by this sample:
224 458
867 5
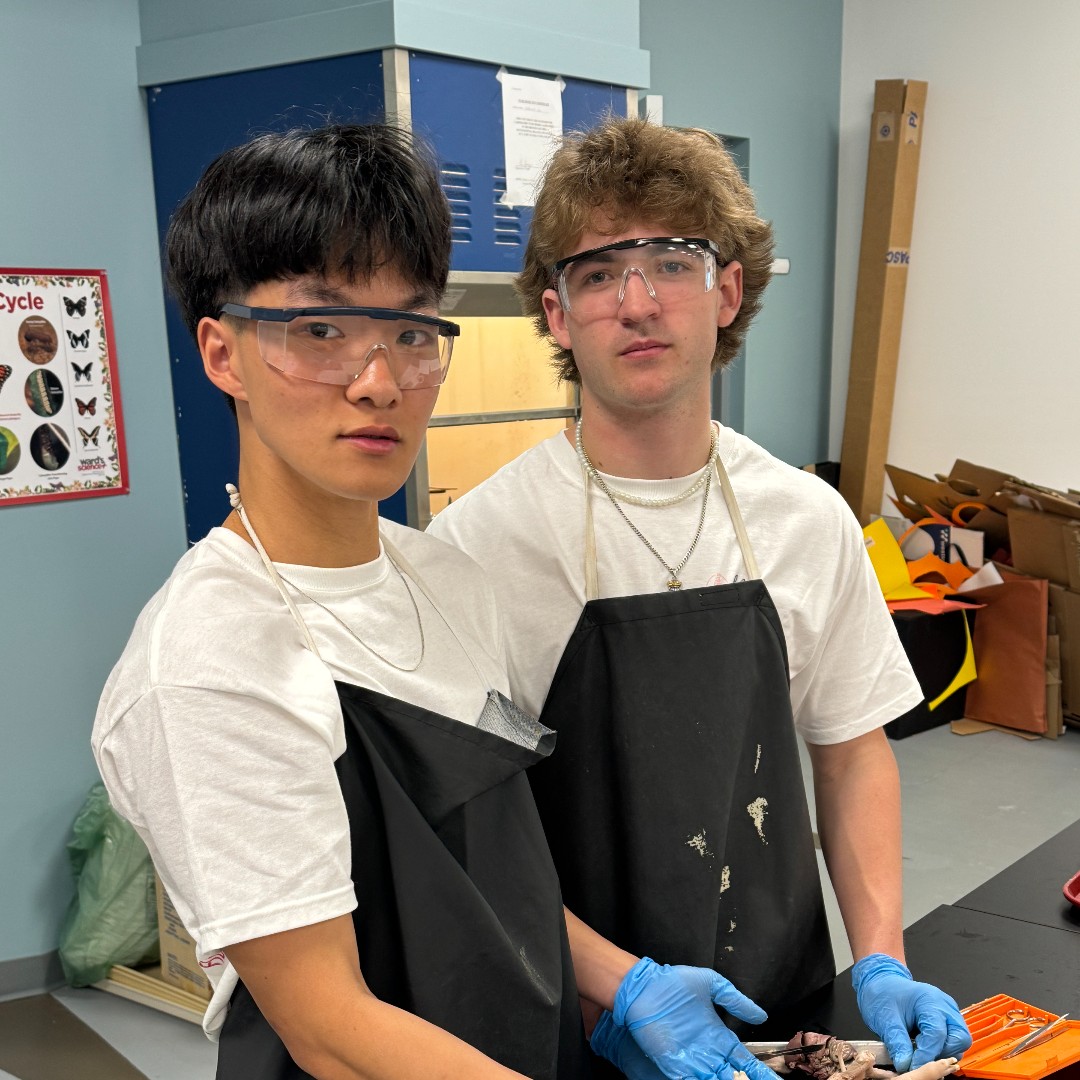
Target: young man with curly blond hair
681 605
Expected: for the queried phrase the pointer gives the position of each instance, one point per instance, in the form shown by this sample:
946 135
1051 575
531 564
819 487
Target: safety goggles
335 344
593 283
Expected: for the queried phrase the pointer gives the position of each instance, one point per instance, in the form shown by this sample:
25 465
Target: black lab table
1015 934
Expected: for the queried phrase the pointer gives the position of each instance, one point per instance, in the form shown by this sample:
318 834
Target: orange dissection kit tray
998 1024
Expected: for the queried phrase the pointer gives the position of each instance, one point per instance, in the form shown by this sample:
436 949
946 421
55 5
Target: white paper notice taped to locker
532 126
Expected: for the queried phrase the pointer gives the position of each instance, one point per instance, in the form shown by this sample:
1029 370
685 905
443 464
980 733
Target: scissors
1016 1017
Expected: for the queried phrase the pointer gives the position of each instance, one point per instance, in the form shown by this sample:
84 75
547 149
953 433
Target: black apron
459 915
459 918
675 807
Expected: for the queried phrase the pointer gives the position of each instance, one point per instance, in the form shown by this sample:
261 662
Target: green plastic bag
113 915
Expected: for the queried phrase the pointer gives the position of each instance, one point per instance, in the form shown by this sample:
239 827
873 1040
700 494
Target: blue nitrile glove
894 1005
669 1011
616 1044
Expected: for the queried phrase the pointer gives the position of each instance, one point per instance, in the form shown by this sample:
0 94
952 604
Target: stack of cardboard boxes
1044 533
1027 530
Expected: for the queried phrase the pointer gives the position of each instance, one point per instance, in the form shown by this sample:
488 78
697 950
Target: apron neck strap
592 588
749 562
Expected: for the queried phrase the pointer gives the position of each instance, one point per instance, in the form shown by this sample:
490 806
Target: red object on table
1071 889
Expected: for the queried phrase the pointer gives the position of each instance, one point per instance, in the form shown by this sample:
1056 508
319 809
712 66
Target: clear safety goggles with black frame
593 283
335 344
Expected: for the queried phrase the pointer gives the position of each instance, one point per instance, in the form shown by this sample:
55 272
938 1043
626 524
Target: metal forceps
1038 1036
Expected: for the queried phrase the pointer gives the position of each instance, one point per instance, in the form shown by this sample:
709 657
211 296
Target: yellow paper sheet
889 563
965 675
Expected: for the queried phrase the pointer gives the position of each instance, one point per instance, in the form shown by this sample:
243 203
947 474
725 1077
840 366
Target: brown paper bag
1010 654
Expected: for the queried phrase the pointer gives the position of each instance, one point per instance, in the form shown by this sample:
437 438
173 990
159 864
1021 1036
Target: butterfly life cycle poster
61 431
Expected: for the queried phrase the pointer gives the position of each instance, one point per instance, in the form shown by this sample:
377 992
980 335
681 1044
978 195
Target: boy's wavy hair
627 170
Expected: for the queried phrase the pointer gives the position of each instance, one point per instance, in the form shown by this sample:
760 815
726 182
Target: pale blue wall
75 191
769 71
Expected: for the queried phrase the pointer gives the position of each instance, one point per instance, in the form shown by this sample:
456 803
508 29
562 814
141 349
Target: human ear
218 348
729 289
556 318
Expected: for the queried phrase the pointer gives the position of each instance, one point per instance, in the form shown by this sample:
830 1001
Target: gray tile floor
972 806
161 1046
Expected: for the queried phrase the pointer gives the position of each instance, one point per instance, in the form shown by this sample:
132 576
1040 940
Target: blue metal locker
457 106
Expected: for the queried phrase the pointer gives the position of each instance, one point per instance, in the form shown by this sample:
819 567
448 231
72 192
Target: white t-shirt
218 729
525 527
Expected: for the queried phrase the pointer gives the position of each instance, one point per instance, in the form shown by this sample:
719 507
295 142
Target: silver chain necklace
673 581
238 507
356 637
644 500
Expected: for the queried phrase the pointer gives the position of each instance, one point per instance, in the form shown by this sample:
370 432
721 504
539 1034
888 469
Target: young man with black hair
679 604
309 725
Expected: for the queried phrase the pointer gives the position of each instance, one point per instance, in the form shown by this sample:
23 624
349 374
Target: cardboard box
147 987
179 964
884 256
1065 609
917 495
1049 500
1046 545
965 482
1055 713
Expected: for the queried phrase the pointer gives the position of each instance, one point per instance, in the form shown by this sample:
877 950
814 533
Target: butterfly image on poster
89 437
82 372
75 307
5 374
87 407
79 341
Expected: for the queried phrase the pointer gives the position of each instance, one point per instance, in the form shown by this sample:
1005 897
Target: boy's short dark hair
344 199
